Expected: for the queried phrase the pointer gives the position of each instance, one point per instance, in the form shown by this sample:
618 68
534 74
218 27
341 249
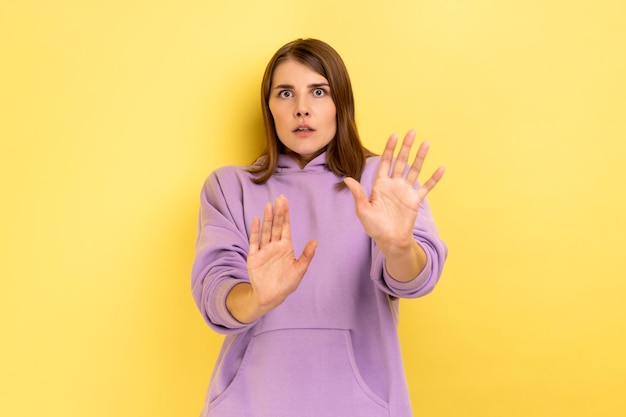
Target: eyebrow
289 86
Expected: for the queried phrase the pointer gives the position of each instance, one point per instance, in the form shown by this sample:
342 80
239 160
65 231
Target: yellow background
113 112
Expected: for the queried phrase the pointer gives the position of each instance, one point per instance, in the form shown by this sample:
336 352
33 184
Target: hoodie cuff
221 313
409 288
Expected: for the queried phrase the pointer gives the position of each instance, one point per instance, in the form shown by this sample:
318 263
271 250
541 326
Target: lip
303 130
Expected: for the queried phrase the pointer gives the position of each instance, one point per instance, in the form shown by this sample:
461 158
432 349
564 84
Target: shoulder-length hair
345 155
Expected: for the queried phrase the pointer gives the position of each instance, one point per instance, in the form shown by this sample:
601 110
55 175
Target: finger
266 227
416 168
403 156
307 256
357 190
432 181
254 234
286 227
385 159
277 221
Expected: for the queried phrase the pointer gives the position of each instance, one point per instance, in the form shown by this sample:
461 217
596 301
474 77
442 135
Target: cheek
279 113
275 117
332 117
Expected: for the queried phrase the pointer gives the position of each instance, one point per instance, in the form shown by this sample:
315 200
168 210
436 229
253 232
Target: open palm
273 268
388 214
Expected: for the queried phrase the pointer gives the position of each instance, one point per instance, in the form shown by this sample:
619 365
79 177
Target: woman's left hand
389 214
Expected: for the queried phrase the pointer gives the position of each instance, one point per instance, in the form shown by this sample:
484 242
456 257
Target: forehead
291 71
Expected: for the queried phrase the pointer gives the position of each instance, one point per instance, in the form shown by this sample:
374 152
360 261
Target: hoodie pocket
299 372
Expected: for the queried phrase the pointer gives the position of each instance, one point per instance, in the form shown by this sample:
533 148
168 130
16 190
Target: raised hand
273 269
388 214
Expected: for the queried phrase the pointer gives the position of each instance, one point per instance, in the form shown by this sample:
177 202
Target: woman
315 334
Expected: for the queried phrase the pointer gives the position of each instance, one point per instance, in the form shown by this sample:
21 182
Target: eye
285 94
319 92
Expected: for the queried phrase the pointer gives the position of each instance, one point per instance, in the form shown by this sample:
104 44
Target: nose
302 108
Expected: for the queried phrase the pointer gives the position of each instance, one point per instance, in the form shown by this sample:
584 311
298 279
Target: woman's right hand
273 269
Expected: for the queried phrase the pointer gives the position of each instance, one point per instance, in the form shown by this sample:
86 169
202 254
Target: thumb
356 189
305 259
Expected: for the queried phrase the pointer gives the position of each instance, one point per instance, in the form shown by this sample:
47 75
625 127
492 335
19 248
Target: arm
405 263
236 279
220 250
426 235
390 214
272 266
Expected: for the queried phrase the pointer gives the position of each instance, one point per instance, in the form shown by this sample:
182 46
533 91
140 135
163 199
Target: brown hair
345 155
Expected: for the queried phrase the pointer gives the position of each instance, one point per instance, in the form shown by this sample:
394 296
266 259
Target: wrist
404 262
242 304
397 247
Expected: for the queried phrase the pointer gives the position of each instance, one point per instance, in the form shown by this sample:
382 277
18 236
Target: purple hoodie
331 348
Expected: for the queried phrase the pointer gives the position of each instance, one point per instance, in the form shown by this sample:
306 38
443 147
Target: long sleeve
426 235
221 252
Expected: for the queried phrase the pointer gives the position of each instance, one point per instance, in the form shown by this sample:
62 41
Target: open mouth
304 129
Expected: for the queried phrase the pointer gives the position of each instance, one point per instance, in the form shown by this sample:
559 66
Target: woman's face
304 113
